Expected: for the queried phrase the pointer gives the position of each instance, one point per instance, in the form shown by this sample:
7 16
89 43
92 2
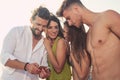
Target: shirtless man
103 42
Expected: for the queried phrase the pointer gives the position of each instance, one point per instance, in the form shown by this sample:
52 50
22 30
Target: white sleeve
8 47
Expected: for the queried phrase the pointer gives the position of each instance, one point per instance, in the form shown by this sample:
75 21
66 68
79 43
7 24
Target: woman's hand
47 43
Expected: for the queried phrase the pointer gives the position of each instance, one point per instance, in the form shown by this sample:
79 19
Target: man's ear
31 20
75 8
45 30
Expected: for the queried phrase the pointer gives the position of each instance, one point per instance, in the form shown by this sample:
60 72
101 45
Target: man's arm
7 57
33 68
8 47
15 64
114 22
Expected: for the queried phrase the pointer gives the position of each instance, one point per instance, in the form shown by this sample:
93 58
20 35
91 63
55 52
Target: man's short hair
66 4
41 12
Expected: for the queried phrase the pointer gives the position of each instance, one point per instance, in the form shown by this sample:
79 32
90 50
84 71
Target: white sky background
17 12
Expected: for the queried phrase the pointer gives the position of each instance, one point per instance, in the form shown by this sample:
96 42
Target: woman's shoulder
61 40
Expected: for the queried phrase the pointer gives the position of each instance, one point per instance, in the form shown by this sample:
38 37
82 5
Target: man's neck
37 37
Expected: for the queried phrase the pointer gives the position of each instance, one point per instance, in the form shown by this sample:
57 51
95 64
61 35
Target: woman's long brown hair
78 38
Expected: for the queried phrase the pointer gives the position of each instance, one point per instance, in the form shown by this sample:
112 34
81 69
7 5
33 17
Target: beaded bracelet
25 66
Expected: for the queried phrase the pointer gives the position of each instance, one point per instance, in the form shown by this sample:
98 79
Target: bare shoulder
110 17
61 46
111 14
61 41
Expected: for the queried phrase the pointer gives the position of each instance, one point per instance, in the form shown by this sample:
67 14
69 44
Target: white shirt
18 45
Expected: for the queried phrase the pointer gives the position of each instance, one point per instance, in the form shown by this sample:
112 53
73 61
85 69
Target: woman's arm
83 70
75 76
59 59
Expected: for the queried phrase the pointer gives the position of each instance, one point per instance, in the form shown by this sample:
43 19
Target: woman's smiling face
52 30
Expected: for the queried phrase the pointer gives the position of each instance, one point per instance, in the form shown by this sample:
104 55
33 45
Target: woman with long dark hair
80 58
57 51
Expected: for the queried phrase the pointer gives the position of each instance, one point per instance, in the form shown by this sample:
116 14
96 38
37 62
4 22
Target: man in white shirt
23 51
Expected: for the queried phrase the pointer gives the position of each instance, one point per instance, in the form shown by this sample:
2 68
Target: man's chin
74 26
77 26
37 35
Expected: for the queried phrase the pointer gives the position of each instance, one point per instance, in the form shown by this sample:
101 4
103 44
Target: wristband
25 66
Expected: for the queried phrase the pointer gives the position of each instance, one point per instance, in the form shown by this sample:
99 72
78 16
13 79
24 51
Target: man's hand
45 72
33 68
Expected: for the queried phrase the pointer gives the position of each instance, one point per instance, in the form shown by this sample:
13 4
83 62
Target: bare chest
104 49
96 38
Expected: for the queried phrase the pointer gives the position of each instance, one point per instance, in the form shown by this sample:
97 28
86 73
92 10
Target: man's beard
34 33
